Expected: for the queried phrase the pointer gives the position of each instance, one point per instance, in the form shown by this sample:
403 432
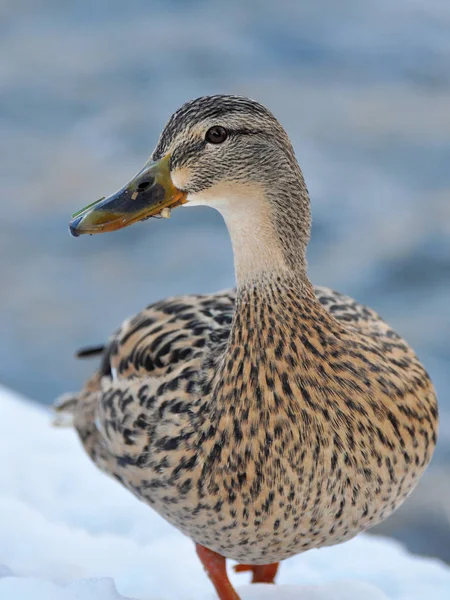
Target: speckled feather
268 421
261 444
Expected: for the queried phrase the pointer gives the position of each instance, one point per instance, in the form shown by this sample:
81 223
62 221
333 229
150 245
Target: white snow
68 532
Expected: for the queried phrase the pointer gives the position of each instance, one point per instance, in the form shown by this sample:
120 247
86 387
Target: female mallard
265 422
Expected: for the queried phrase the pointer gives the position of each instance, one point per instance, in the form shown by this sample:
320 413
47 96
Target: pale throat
256 244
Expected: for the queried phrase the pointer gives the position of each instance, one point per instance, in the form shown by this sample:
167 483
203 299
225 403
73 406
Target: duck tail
89 351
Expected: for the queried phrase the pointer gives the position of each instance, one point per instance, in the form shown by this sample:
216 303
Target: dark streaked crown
210 108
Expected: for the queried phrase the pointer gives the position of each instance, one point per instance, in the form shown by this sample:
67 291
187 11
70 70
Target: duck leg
261 573
215 566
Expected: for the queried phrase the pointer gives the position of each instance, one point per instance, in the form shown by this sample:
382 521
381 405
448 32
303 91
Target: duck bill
148 194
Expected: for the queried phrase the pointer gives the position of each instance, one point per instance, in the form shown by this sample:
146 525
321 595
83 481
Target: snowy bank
68 532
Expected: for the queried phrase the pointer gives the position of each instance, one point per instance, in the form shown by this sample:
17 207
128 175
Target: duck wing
147 377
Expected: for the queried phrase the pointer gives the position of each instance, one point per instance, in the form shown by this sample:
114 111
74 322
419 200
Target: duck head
227 152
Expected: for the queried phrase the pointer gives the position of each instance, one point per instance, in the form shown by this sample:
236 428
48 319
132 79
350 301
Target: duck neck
275 299
269 236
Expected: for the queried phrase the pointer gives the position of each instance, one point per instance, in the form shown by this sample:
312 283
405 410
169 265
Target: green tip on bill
78 213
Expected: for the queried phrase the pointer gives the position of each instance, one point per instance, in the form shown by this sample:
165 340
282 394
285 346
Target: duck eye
216 135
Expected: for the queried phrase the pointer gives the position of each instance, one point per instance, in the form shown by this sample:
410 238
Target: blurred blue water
363 90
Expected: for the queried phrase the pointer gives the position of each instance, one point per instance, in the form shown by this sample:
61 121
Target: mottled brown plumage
269 421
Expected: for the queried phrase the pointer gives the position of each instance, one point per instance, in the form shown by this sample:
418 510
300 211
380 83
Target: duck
263 421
